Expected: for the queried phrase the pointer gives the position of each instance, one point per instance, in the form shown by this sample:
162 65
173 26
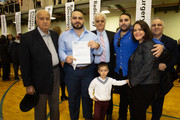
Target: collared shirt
123 53
65 43
47 39
107 49
126 49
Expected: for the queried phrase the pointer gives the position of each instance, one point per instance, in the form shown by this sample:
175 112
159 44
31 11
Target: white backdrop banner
49 9
143 10
18 22
31 20
68 9
94 7
3 25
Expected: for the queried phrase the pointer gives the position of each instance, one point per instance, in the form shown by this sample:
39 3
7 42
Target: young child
100 91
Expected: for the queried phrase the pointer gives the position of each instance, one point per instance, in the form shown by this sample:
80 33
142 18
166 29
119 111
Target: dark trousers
77 82
6 71
62 85
100 109
125 97
53 100
0 67
142 97
110 74
157 108
110 108
16 68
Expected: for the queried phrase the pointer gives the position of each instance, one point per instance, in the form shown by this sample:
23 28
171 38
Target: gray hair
158 18
100 14
39 12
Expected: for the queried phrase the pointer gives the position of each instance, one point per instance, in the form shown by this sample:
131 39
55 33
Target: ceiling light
105 11
53 18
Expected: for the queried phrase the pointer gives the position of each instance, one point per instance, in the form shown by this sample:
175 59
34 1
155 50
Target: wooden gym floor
11 93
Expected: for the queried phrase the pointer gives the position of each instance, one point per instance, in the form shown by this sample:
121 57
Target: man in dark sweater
165 67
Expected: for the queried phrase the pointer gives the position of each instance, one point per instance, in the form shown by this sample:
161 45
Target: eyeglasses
118 43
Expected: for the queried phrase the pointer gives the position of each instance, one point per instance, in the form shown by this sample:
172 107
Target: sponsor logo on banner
18 22
3 25
94 7
31 20
143 10
69 8
49 9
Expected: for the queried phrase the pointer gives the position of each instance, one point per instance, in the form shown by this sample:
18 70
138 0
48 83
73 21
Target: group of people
135 58
9 53
9 6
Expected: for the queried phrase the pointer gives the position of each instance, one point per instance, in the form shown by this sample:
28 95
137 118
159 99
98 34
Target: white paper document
81 52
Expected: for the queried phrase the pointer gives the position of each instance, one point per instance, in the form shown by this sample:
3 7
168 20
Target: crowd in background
9 53
11 6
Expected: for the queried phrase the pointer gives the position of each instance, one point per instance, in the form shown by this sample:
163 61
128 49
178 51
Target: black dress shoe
108 117
64 98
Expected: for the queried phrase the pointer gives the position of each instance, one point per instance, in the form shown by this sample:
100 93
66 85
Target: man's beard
127 28
78 26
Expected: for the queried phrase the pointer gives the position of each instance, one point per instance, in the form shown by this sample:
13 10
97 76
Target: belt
84 67
55 66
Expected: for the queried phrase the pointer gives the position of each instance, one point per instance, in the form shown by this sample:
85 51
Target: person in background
10 38
14 53
100 90
40 66
166 66
5 58
54 1
2 9
0 66
37 3
105 38
78 79
62 82
178 64
143 71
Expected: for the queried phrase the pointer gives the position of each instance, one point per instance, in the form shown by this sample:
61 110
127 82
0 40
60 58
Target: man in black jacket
108 51
165 67
40 66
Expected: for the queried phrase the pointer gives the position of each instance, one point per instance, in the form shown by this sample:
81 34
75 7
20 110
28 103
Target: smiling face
100 23
103 71
138 33
43 20
77 20
157 27
124 23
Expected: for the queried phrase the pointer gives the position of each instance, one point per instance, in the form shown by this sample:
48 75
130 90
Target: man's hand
158 50
30 90
92 44
95 99
162 66
69 59
128 83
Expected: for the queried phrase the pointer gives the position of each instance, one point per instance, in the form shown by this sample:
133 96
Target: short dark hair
78 10
144 26
127 14
102 64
